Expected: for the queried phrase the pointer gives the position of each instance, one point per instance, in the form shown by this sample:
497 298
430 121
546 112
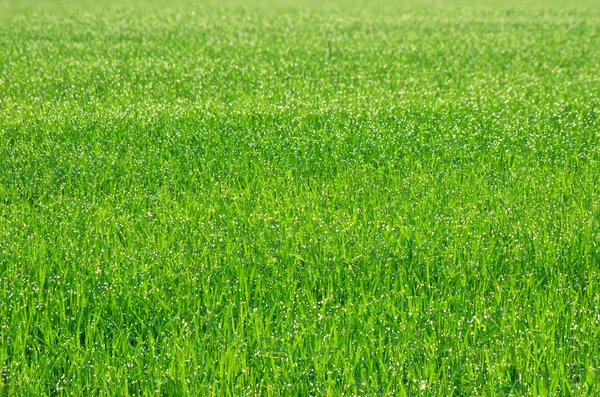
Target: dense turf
299 201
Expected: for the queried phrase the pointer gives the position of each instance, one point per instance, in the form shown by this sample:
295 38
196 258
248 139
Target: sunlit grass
301 201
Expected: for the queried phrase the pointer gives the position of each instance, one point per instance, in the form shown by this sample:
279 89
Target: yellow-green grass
299 200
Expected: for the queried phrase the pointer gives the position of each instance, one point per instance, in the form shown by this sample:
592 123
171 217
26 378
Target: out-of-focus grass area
11 6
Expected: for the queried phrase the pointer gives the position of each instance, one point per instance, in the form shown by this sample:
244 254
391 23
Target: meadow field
337 198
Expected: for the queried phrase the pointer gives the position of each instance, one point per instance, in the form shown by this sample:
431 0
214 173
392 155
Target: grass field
326 199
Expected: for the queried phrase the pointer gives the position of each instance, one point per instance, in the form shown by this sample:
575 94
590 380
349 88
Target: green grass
299 199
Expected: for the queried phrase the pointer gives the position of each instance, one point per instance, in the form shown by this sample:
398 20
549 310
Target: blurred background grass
8 7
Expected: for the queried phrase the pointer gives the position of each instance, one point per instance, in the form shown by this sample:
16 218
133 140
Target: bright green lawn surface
300 200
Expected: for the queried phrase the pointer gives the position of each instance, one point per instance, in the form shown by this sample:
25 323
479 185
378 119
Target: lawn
329 198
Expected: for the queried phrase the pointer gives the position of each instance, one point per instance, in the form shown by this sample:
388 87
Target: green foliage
203 200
